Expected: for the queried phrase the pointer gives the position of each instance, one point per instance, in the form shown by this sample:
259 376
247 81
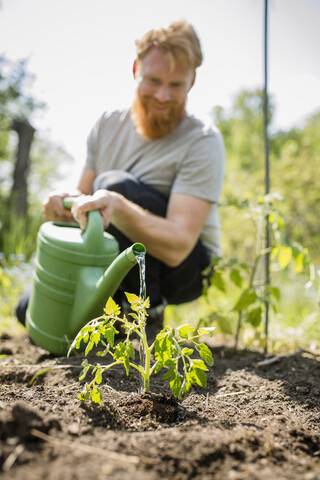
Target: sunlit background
81 52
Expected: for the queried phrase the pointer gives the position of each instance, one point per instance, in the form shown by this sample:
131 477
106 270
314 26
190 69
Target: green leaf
146 303
175 385
86 367
184 331
120 351
126 363
248 297
168 363
205 354
85 394
200 377
111 308
84 335
137 303
188 381
206 331
163 350
187 351
85 338
285 256
224 324
131 351
95 337
98 377
104 353
96 395
132 298
109 335
255 316
235 277
169 374
123 352
299 263
89 347
199 364
185 386
102 328
218 281
275 292
33 379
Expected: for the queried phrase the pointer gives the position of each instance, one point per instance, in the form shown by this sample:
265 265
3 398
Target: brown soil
253 421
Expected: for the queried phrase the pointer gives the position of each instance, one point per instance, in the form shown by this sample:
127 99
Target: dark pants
164 284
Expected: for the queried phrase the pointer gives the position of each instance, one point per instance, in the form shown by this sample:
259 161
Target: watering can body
75 273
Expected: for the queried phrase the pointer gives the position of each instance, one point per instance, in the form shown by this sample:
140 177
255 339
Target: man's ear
134 68
192 81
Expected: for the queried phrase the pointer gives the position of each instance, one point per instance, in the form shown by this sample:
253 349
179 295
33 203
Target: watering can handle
93 235
67 202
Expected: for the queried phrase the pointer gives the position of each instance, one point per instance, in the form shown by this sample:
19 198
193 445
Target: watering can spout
98 291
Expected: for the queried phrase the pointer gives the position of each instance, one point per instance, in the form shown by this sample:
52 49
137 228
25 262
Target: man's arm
169 239
86 181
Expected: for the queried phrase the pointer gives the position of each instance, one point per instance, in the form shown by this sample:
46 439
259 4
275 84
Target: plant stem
175 341
147 370
147 360
145 354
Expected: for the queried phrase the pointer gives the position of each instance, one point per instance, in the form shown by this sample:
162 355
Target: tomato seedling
169 352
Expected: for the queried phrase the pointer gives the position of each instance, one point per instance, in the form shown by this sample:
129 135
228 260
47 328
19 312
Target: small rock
74 429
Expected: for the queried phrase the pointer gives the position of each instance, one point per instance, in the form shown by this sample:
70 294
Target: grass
14 278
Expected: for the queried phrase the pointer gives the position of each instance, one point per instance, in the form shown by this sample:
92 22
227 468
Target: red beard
151 125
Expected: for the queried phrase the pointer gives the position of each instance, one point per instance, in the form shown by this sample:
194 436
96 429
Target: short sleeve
202 171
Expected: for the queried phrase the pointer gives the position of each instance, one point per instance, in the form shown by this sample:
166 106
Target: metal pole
267 166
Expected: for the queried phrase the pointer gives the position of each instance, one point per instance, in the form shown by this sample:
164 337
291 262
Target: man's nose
163 94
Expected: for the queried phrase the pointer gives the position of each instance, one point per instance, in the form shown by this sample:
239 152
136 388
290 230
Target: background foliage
17 235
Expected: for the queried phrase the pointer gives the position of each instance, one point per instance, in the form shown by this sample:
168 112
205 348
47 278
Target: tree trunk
19 192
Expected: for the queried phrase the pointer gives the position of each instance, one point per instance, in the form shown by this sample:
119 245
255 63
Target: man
155 173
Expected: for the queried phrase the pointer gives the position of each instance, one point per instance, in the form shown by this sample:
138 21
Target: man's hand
102 200
54 210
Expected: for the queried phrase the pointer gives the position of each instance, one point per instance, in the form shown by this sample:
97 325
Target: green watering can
75 273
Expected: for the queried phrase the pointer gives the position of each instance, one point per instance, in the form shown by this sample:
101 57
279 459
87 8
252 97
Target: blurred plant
242 282
28 163
295 168
18 235
14 276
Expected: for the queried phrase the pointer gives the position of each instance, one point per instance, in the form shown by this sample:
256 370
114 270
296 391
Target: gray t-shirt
188 161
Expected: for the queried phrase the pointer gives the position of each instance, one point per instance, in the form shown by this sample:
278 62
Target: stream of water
141 261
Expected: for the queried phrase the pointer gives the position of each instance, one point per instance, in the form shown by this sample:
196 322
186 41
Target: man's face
162 88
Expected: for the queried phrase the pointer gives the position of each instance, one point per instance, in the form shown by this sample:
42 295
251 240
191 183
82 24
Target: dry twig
275 359
10 460
231 394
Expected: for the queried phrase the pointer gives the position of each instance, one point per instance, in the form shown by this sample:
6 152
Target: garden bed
254 421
